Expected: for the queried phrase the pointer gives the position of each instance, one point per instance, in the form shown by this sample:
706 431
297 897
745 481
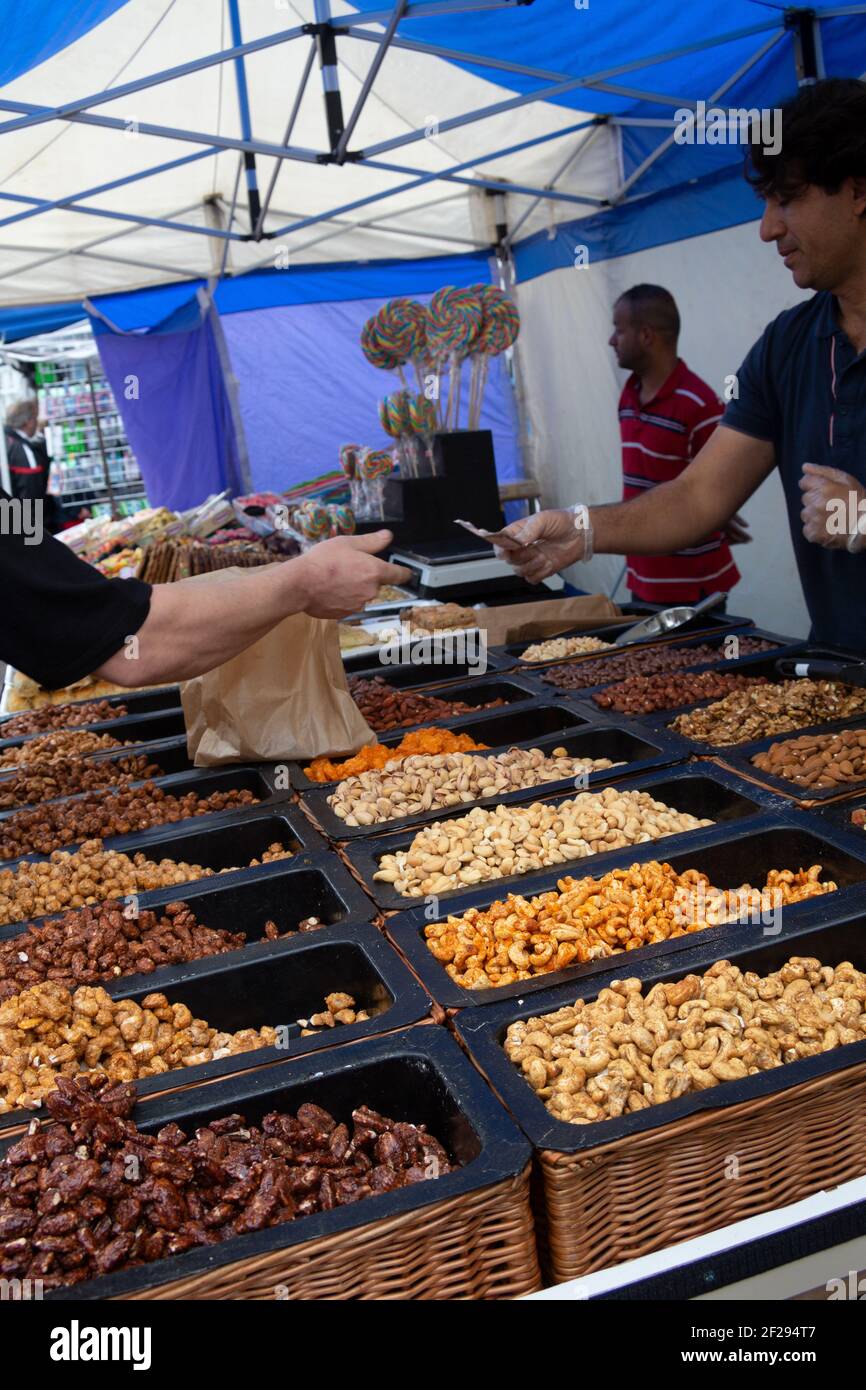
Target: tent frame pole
367 86
326 43
290 125
573 158
249 159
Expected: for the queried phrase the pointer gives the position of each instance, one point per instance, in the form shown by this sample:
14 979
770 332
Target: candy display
47 1032
519 938
593 1061
646 661
68 1214
771 709
422 782
485 845
93 873
817 761
384 707
377 755
312 520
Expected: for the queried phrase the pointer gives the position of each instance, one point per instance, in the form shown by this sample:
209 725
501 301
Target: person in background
29 464
666 416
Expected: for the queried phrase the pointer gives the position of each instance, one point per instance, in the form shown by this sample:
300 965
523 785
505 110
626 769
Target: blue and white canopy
150 142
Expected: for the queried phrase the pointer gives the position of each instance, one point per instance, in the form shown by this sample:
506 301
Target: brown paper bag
285 697
526 622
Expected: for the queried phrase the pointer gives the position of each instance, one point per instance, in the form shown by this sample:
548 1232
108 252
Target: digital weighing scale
458 570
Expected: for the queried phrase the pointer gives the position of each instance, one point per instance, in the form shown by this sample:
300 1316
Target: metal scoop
665 621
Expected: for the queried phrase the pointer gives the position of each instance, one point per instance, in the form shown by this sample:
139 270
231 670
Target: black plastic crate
739 758
286 892
720 662
839 813
483 1031
514 690
699 789
749 666
418 1075
202 780
704 624
132 728
637 750
244 830
729 855
140 702
497 728
276 987
227 847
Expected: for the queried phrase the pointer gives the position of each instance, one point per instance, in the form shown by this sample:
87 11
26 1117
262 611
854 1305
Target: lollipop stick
458 368
402 376
482 384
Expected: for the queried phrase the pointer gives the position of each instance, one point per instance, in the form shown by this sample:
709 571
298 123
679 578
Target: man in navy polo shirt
800 403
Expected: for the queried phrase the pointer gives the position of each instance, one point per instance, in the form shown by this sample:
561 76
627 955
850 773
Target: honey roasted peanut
485 845
47 1032
93 873
626 1051
588 918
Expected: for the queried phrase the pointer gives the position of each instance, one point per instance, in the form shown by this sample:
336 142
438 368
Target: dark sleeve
60 618
753 408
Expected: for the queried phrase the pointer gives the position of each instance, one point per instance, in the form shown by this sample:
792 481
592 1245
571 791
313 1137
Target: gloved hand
543 544
834 508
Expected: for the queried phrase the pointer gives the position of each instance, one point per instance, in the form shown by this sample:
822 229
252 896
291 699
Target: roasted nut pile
626 1051
339 1009
519 938
58 747
485 845
817 760
43 781
647 661
46 1032
92 944
450 779
93 873
375 755
385 707
771 709
72 716
643 694
49 827
70 1209
555 648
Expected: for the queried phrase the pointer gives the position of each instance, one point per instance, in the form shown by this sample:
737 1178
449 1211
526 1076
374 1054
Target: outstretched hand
541 545
341 575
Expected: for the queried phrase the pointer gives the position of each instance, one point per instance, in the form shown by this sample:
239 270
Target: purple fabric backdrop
305 388
179 425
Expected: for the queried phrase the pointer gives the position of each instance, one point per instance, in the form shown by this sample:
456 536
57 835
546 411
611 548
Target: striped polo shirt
659 440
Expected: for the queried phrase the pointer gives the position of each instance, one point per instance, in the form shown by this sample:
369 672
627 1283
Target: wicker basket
478 1245
628 1198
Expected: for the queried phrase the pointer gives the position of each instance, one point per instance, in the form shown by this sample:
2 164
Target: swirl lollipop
499 329
455 319
313 521
349 459
376 464
342 519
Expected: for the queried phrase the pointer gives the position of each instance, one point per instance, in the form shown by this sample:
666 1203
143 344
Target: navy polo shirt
803 387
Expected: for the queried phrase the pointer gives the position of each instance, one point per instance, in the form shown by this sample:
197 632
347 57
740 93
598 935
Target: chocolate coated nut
385 707
645 661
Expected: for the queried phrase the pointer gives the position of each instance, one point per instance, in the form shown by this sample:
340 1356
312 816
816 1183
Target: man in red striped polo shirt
666 416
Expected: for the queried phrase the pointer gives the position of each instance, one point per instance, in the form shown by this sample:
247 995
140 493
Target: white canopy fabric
61 254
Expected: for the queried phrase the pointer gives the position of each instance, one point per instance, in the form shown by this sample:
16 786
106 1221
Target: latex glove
736 530
547 542
834 508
